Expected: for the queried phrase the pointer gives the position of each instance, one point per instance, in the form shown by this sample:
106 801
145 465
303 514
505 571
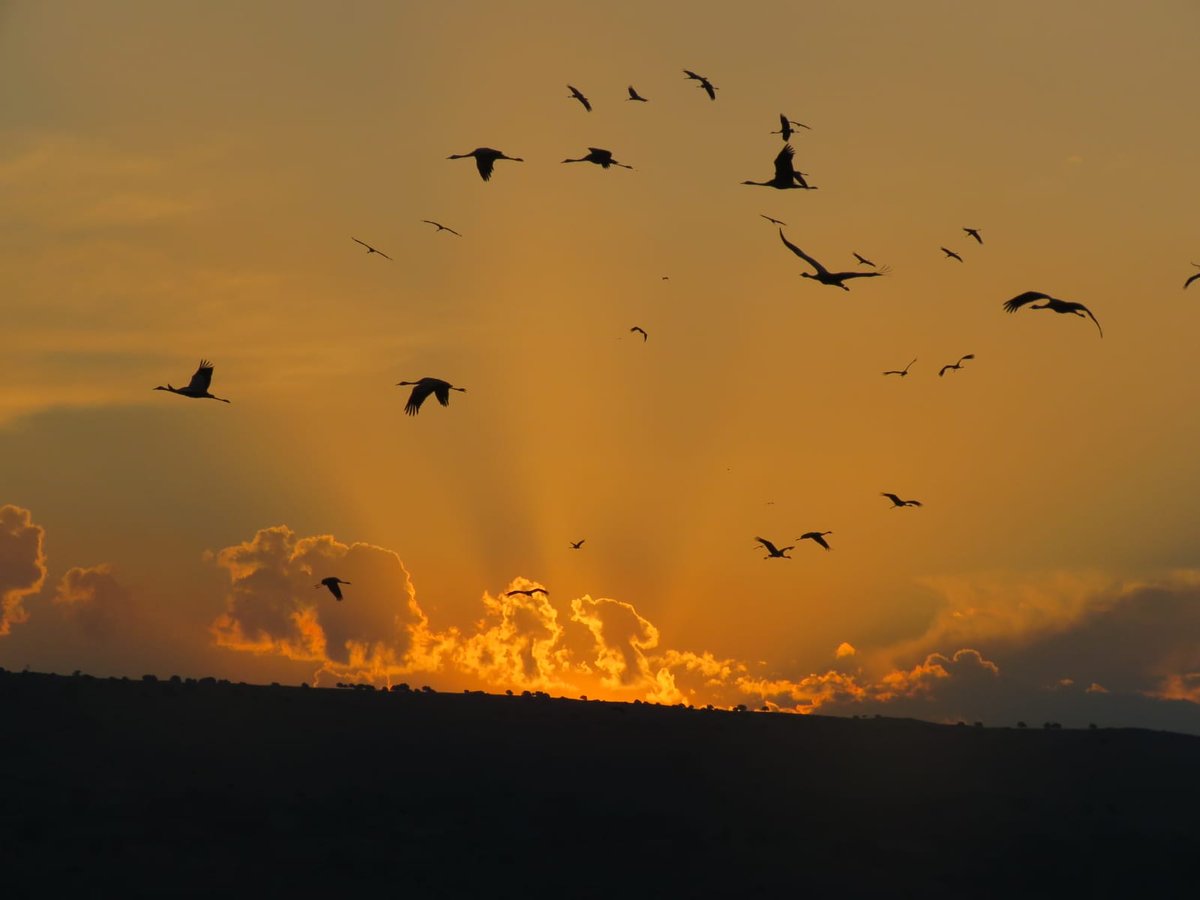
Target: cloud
22 564
94 599
844 649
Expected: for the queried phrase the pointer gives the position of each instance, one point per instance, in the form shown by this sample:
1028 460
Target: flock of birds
785 177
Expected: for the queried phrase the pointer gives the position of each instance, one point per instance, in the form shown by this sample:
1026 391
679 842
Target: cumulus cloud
93 598
844 649
22 564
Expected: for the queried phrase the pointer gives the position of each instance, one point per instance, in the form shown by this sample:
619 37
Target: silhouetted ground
114 788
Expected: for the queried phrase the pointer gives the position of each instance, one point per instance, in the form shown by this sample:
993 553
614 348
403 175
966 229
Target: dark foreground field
112 788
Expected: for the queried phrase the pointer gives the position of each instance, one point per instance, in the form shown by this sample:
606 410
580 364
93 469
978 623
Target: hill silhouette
117 787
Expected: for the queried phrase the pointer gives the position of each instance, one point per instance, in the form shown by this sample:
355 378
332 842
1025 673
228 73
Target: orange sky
182 181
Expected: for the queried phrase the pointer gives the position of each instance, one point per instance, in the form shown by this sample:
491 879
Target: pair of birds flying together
774 552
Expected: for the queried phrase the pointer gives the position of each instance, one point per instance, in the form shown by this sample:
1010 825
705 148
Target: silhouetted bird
817 536
950 254
634 95
900 372
1192 278
425 387
773 221
862 259
332 583
440 226
956 366
786 175
974 232
823 275
575 545
529 593
772 551
370 249
1052 303
785 127
897 502
485 160
640 331
197 388
704 83
578 96
602 158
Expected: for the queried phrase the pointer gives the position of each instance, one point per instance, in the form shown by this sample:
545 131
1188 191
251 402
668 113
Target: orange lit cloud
22 564
93 598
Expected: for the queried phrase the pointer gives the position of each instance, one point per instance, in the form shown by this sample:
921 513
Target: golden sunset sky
183 180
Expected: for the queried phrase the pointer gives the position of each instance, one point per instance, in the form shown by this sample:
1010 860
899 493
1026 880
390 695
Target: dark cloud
94 599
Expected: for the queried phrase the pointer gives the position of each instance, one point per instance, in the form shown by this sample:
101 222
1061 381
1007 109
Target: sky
183 181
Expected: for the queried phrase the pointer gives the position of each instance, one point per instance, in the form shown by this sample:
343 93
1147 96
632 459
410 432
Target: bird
823 275
786 175
576 545
579 96
900 372
370 249
529 593
485 159
773 551
817 536
773 221
1193 277
440 226
634 95
950 254
425 387
602 158
640 331
956 366
704 83
785 127
974 232
332 583
862 259
897 502
197 388
1052 303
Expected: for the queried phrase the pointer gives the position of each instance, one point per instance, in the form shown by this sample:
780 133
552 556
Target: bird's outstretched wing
804 256
203 377
640 331
770 547
785 170
1190 280
441 390
1022 299
1090 316
419 392
485 164
777 222
862 259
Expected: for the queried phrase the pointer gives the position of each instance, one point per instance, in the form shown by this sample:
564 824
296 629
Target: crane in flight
577 95
974 232
785 176
197 388
822 274
773 221
640 331
332 582
1053 304
423 388
528 593
815 536
1193 277
704 83
862 260
956 366
577 545
370 249
785 127
897 502
774 552
950 254
901 372
440 226
600 157
634 95
485 159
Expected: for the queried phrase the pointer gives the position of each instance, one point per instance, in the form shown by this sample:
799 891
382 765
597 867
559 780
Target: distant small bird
785 175
529 593
956 366
425 387
704 83
600 157
576 545
333 584
897 502
974 232
640 331
440 226
950 254
773 221
1192 278
370 249
900 372
772 551
823 275
485 160
1052 303
862 259
634 95
575 93
785 127
817 536
197 388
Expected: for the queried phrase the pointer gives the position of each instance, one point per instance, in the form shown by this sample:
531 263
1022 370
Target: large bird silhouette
704 83
956 366
634 95
785 127
822 274
774 552
576 94
600 157
897 502
815 536
370 249
425 387
901 372
1052 303
485 160
785 176
197 388
332 582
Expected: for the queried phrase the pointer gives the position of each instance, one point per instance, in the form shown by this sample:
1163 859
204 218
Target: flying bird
634 95
1192 278
370 249
974 232
575 93
197 388
900 372
576 545
485 160
823 275
332 583
773 221
772 551
528 593
602 158
897 502
785 127
640 331
950 254
425 387
440 226
817 536
704 83
786 175
862 259
956 366
1052 303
